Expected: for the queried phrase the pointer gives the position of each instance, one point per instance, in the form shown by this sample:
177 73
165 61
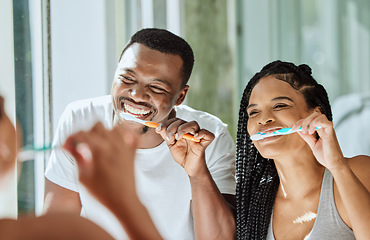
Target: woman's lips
269 130
266 131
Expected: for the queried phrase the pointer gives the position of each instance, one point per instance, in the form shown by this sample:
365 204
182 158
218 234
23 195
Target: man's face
147 83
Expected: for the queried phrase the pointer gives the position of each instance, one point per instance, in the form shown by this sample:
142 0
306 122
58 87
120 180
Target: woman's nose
266 118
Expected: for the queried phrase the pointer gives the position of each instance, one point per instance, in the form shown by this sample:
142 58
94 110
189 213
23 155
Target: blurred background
55 52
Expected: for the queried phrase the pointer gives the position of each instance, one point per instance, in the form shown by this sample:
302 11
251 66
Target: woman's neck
300 175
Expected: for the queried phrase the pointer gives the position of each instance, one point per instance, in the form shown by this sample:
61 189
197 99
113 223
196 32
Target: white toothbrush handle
283 131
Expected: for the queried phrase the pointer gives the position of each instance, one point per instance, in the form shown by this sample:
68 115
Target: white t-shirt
162 185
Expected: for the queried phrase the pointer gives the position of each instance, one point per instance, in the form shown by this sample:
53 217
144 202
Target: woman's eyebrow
274 99
251 105
282 98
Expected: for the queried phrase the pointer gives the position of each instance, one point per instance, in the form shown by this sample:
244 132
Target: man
179 181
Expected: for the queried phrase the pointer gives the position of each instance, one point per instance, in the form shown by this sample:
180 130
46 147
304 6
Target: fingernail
167 138
159 128
84 150
177 136
5 152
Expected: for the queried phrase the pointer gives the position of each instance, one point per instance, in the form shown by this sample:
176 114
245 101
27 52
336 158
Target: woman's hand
324 143
189 154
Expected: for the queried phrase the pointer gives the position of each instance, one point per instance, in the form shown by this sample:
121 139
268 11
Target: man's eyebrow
162 81
274 99
127 70
156 79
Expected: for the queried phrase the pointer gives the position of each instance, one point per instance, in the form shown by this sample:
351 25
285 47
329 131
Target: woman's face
275 104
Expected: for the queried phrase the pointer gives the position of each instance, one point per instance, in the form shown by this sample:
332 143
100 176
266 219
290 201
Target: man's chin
145 129
137 127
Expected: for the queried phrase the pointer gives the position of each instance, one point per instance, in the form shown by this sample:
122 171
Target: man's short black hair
166 42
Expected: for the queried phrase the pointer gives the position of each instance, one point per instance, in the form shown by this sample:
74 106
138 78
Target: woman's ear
318 109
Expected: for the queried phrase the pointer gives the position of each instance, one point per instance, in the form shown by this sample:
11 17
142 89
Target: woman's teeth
135 111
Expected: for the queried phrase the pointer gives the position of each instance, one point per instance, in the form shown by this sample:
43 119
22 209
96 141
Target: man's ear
182 95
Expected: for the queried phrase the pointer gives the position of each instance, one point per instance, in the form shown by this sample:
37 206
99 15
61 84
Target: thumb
309 139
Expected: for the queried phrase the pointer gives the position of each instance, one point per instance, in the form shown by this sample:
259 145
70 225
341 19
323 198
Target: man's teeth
135 111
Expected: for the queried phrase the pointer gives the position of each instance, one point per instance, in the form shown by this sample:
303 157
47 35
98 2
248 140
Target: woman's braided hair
257 178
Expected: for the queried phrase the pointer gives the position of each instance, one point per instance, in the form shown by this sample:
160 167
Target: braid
256 176
257 180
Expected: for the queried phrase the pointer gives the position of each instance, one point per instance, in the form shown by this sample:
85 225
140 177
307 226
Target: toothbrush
282 131
28 152
129 117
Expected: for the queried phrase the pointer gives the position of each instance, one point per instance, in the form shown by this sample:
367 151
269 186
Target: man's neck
150 139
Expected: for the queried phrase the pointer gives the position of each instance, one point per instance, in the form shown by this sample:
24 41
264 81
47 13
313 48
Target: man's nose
139 93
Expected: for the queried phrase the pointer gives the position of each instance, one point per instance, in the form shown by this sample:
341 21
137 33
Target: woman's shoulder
360 166
359 162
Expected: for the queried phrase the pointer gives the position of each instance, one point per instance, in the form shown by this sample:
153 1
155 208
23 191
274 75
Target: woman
296 186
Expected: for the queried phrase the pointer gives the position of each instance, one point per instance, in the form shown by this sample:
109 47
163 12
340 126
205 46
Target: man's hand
190 155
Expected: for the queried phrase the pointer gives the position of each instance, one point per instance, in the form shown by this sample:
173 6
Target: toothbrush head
258 136
129 117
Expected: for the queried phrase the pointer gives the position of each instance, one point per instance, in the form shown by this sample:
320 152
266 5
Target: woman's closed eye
252 113
280 106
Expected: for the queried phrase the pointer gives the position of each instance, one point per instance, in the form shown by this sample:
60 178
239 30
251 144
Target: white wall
82 60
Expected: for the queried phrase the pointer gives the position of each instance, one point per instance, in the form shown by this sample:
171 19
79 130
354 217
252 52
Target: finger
5 153
71 146
85 152
321 122
307 122
205 136
169 129
187 128
162 128
173 128
297 125
309 139
95 139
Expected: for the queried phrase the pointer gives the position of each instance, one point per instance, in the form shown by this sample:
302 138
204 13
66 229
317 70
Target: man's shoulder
96 102
204 119
82 112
